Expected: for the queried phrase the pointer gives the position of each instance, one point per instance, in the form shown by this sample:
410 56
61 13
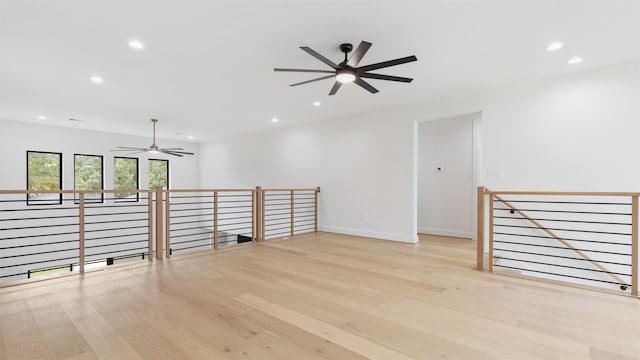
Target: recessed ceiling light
97 79
136 44
316 103
42 117
274 120
555 46
190 137
575 60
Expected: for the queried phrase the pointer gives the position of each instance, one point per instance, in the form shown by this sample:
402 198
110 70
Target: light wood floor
319 296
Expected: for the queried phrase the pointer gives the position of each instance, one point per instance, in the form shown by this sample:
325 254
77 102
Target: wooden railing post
292 213
258 213
480 230
215 220
263 212
150 214
167 225
316 209
490 257
634 245
81 232
159 221
254 236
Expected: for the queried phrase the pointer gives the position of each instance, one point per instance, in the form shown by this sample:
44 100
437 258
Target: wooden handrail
634 246
568 193
554 236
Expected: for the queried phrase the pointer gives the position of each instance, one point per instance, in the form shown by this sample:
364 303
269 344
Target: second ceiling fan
349 71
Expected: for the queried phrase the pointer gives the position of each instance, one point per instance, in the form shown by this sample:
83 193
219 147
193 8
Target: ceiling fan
154 149
349 71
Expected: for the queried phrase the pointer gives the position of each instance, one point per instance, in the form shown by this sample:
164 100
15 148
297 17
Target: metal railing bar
115 244
557 229
192 209
37 262
114 221
40 209
189 222
194 234
562 275
563 220
41 218
41 235
191 247
173 203
235 207
38 253
268 223
184 216
279 218
39 244
243 229
116 252
276 234
101 206
280 228
563 202
38 227
236 217
569 212
562 266
193 228
119 228
220 222
118 214
568 239
561 248
561 257
190 241
115 236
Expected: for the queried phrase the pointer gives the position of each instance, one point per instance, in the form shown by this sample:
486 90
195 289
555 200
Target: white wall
445 196
363 165
576 132
16 138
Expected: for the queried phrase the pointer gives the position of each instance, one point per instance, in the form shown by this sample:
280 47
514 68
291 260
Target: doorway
447 167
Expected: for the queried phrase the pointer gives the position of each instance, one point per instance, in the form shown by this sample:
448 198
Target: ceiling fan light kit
348 71
154 149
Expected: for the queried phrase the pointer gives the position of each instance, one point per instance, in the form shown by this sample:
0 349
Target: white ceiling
207 69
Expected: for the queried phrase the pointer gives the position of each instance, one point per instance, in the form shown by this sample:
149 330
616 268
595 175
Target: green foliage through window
44 172
88 175
125 177
158 173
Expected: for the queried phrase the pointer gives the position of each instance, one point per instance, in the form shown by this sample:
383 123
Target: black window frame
137 178
75 195
38 202
149 165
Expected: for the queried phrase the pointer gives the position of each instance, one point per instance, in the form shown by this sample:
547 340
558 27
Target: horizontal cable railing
588 239
49 232
289 212
53 232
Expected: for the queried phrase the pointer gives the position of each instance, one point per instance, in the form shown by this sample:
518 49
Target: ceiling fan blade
176 151
305 70
388 63
171 149
365 85
359 53
129 148
316 55
312 80
335 88
170 152
386 77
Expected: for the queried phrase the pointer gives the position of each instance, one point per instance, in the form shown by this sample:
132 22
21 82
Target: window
158 173
125 177
88 176
44 172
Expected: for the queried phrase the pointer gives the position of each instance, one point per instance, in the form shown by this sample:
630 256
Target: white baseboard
372 234
442 232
